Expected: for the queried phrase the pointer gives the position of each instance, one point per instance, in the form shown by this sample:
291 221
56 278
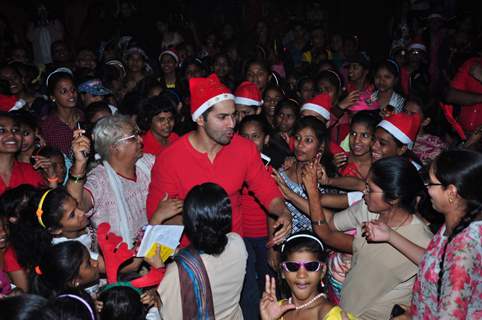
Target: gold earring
451 200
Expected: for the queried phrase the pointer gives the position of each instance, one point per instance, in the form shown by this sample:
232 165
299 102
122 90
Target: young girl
255 220
31 141
135 60
259 73
51 217
311 139
285 117
272 95
303 267
386 82
358 162
64 266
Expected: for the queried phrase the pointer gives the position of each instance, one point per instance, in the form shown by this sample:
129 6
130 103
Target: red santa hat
403 126
248 94
172 52
205 92
320 104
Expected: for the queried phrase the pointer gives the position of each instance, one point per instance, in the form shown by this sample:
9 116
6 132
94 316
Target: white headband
302 236
62 69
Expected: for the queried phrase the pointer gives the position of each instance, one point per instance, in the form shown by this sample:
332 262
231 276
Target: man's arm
463 98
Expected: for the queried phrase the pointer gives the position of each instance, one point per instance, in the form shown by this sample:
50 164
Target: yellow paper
165 252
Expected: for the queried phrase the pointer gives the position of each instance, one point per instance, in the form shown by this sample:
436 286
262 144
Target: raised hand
349 100
166 209
377 231
309 177
269 307
80 145
340 159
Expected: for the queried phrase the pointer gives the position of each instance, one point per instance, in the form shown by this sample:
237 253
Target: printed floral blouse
461 288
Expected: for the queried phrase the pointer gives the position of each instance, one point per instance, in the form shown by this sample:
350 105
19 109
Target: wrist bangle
76 179
53 180
318 222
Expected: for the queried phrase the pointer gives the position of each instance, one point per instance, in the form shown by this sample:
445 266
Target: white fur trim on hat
247 101
209 103
318 109
171 53
397 133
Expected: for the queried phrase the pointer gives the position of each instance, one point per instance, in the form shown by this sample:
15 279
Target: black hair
302 81
304 244
55 78
14 200
22 307
323 136
95 107
57 268
391 65
333 77
121 303
5 87
207 217
263 64
69 306
31 240
273 87
130 103
463 169
26 118
146 85
151 107
400 181
50 151
257 119
369 118
9 115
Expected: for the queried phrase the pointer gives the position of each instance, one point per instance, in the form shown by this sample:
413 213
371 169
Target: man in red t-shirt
466 91
212 153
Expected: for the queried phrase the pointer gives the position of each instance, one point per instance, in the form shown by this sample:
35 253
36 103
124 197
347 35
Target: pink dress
461 291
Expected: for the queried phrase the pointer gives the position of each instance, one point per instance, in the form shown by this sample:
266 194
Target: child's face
58 165
271 99
243 111
88 271
325 86
258 75
163 124
285 119
253 132
73 218
307 90
384 79
303 283
361 139
307 145
28 138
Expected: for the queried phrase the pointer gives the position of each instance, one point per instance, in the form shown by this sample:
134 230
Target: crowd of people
312 180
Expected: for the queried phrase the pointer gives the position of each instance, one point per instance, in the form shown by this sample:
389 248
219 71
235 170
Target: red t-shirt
22 173
181 167
470 116
10 263
253 215
152 146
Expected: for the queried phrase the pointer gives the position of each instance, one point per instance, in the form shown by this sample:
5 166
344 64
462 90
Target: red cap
7 102
403 126
248 94
206 92
320 104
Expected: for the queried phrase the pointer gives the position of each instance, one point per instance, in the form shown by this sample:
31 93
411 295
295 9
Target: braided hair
463 169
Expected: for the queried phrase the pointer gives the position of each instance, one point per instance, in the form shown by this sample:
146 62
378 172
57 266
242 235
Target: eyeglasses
129 139
432 184
294 266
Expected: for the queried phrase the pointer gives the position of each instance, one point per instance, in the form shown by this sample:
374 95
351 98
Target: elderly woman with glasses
114 191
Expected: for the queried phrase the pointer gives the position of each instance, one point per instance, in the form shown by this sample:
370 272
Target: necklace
401 224
318 296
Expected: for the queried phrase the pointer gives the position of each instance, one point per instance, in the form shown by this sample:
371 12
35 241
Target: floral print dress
461 290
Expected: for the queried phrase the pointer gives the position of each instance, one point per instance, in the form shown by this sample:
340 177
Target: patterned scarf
196 296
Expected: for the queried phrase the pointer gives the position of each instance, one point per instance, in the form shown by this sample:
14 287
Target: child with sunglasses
303 267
